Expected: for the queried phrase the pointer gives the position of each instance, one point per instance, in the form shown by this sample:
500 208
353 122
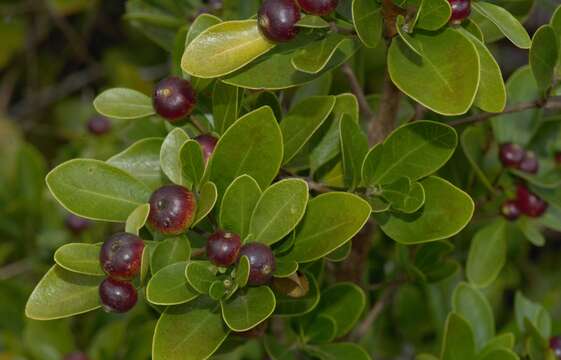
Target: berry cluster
278 18
120 258
225 248
526 202
514 156
461 9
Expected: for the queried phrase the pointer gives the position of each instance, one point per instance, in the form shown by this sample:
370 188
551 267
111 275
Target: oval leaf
367 19
170 155
169 286
313 57
506 23
80 258
121 103
248 308
487 254
544 55
207 199
238 203
200 275
170 251
137 219
192 162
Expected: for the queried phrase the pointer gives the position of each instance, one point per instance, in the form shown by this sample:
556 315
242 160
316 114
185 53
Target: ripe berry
261 263
460 10
121 255
172 209
117 296
223 248
98 125
510 210
208 143
558 158
277 19
318 7
511 154
76 224
76 356
529 163
555 345
174 98
529 203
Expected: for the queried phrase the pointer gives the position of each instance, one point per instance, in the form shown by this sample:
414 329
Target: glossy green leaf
168 286
313 57
354 147
225 106
278 351
312 21
224 48
344 302
330 221
446 212
367 19
237 205
473 141
414 150
192 163
79 258
404 195
242 271
433 14
506 23
61 294
339 351
200 275
137 219
341 253
284 269
170 251
535 313
544 55
217 290
248 308
288 306
278 211
201 23
96 190
207 199
458 343
322 329
252 146
121 103
170 155
487 254
531 231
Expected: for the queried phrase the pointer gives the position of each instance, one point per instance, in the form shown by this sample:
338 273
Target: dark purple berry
529 163
558 158
529 203
277 19
174 98
77 355
261 263
208 143
99 125
511 155
121 256
318 7
510 210
117 296
555 345
76 224
172 209
223 248
460 10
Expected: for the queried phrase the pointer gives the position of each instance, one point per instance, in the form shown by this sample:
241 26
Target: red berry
117 296
558 158
460 10
76 224
510 210
208 143
261 263
277 19
172 209
99 125
223 248
529 203
529 163
511 154
318 7
174 98
555 345
121 256
76 356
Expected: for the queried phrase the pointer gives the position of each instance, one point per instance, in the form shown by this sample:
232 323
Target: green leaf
248 308
315 56
47 340
217 290
61 294
278 351
404 195
414 150
207 198
289 306
252 146
313 22
169 287
487 254
367 19
242 271
344 303
446 212
224 48
544 55
137 219
433 14
141 160
121 103
439 70
458 343
503 341
79 258
322 329
506 23
193 331
499 354
354 147
225 106
278 211
96 190
284 269
534 313
548 179
170 155
474 141
531 231
201 275
432 262
192 163
341 253
472 305
170 251
302 121
331 220
237 205
339 351
200 24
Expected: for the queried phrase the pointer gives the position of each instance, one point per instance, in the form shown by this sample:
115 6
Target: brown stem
390 12
387 114
358 91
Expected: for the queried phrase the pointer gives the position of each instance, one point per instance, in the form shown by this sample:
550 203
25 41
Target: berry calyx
555 345
208 143
261 263
77 355
223 248
529 203
460 10
98 125
318 7
117 296
172 209
174 98
529 163
121 256
277 19
76 224
511 155
510 210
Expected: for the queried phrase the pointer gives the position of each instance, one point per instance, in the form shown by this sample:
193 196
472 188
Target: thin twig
358 91
313 185
387 114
